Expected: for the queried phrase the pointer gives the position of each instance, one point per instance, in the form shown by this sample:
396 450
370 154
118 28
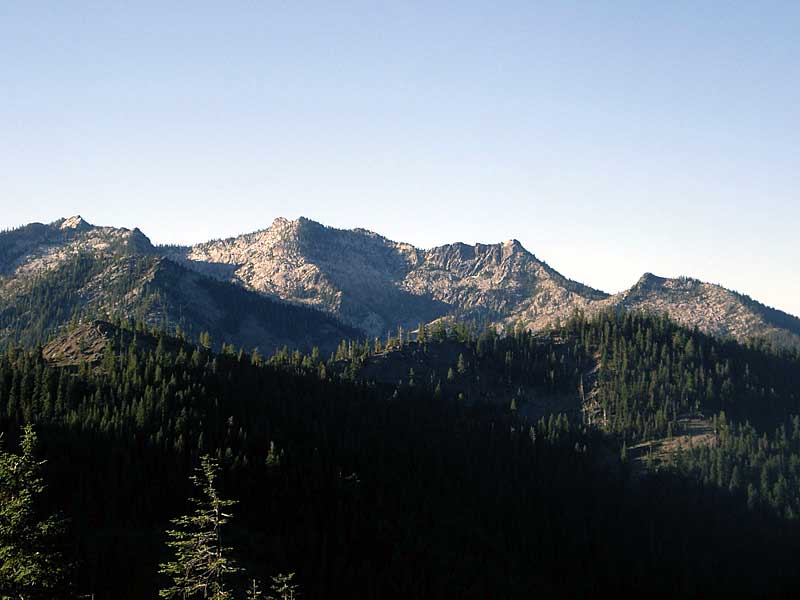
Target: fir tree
254 591
461 366
202 564
283 588
29 567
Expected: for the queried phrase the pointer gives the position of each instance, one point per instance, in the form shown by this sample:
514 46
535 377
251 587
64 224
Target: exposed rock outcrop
377 284
367 283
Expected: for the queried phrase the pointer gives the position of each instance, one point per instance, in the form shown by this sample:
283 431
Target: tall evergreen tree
283 588
29 565
202 563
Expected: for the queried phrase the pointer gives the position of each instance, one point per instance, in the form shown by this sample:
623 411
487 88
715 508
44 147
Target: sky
610 138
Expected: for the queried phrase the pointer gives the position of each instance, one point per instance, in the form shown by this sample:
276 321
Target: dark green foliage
763 469
55 298
30 566
653 372
202 566
369 487
159 293
283 589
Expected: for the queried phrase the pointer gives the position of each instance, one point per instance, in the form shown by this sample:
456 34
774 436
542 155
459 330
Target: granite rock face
37 248
376 284
365 283
711 308
70 270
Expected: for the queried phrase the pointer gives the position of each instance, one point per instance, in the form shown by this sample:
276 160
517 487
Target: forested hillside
156 291
69 271
426 486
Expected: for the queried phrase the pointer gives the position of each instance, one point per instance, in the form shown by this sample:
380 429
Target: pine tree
283 588
205 340
202 564
29 565
254 591
461 366
274 456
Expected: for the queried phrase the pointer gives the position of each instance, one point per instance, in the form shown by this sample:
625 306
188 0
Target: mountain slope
359 278
711 308
87 343
377 284
37 248
70 270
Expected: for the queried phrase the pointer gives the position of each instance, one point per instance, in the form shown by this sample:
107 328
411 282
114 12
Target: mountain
301 283
460 463
71 270
711 308
376 284
35 249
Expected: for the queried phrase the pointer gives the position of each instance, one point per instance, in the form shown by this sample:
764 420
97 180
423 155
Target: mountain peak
282 224
376 284
649 280
77 223
513 246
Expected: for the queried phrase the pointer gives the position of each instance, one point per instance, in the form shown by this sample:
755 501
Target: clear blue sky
611 138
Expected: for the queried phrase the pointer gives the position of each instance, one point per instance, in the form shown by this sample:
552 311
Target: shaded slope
85 285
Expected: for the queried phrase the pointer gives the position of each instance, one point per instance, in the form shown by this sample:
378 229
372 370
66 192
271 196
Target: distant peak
514 247
513 244
650 279
282 222
77 223
310 223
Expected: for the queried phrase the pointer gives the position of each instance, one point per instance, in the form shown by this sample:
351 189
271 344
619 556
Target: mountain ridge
373 284
356 273
70 270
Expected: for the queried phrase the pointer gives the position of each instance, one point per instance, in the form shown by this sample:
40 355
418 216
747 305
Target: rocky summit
350 283
711 308
71 271
376 284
